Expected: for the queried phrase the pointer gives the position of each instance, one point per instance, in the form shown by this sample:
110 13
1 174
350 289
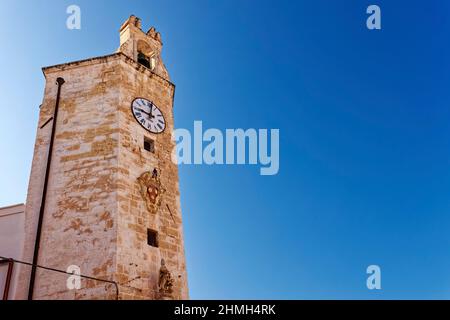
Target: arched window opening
144 60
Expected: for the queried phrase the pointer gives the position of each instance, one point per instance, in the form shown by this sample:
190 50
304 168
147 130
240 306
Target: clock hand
149 114
142 110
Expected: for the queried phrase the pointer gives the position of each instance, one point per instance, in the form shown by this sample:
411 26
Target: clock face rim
137 120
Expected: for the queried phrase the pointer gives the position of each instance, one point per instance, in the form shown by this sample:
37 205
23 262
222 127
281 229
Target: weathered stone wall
135 257
96 217
80 221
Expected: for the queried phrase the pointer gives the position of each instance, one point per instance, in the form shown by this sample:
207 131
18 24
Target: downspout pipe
10 263
60 81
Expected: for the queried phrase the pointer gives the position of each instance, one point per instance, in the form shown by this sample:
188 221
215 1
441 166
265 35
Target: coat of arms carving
151 190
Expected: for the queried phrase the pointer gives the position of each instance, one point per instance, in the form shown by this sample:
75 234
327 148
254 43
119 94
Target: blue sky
364 119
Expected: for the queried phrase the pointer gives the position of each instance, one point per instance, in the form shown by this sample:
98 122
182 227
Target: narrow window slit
149 145
152 238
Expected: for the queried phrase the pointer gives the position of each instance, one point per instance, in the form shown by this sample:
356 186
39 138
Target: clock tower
103 197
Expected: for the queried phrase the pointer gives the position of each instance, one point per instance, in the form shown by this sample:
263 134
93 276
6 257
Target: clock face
148 115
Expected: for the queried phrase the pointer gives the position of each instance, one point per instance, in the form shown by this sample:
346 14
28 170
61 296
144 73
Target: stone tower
108 202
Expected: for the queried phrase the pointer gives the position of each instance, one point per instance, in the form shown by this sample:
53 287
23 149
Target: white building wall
12 237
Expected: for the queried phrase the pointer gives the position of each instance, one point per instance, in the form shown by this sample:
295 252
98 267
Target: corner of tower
143 47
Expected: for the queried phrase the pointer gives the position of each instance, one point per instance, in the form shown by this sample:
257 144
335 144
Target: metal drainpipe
10 263
59 82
